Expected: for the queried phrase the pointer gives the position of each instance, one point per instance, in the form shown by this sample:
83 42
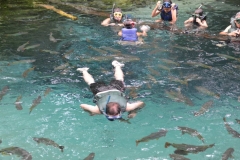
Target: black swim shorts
101 86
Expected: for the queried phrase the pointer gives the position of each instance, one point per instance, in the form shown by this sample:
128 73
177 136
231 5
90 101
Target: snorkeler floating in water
198 18
110 99
234 28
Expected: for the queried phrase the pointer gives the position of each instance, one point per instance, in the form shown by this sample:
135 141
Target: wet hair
128 23
199 11
237 15
167 1
113 108
117 10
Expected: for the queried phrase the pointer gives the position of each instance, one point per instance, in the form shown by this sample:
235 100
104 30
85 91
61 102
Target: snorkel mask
166 5
237 20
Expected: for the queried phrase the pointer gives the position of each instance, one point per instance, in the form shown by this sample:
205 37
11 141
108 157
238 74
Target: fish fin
61 147
167 144
183 132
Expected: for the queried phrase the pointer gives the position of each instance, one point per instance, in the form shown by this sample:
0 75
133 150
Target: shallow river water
174 73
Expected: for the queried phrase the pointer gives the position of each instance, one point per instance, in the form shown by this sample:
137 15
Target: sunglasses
238 20
167 5
111 118
117 14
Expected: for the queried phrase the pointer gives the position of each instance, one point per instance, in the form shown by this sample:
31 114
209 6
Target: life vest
167 16
233 25
129 34
102 98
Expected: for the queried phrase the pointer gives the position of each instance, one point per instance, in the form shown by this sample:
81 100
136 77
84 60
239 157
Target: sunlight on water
173 73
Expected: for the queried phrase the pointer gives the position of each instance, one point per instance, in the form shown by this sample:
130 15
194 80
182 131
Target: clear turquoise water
59 117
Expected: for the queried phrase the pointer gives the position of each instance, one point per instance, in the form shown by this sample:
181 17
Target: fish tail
167 144
61 147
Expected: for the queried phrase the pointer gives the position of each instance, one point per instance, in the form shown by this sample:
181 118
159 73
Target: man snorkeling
234 28
110 99
129 32
167 11
198 18
116 18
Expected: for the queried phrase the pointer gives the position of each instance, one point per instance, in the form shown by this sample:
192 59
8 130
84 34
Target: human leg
86 76
118 70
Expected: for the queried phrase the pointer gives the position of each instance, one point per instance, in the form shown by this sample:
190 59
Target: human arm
106 22
174 16
189 20
120 33
135 105
225 32
202 23
155 11
90 108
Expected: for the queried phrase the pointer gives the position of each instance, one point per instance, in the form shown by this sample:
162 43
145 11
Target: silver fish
124 120
22 61
188 148
230 130
32 46
22 47
155 135
227 154
204 108
25 73
178 157
18 103
51 38
3 92
61 67
192 132
35 103
17 151
17 34
90 156
207 92
47 91
49 51
48 142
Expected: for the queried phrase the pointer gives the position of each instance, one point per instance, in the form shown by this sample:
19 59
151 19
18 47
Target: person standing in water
130 33
110 99
116 18
167 11
198 18
234 28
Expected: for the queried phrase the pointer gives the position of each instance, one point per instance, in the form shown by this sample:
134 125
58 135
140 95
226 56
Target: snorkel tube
113 8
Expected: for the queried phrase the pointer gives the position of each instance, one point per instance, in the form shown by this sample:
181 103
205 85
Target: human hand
111 24
198 20
145 28
235 33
